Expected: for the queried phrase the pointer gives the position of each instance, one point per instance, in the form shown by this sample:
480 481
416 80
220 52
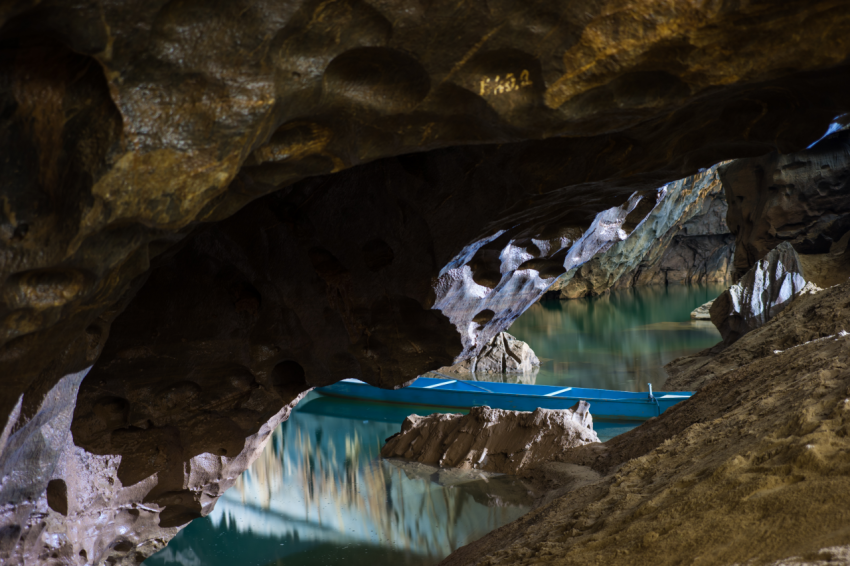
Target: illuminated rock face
492 440
504 354
683 239
760 295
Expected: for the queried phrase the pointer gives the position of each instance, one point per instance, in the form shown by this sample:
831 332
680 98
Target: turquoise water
320 495
617 341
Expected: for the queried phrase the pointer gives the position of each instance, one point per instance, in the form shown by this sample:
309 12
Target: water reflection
617 341
319 488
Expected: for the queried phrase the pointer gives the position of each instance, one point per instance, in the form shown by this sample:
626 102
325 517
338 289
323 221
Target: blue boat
604 404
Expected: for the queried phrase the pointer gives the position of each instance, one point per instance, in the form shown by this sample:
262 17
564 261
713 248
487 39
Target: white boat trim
440 384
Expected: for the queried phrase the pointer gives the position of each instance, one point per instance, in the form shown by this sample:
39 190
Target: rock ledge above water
492 440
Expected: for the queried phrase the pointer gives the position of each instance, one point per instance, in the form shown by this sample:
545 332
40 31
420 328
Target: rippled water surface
319 494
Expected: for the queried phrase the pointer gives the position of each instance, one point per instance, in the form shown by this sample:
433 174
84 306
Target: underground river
319 493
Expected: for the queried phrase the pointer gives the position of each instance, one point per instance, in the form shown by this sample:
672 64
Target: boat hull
604 404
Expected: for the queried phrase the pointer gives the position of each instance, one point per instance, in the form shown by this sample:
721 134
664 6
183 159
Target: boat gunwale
642 400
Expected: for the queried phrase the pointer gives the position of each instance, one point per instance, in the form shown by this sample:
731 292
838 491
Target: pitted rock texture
504 353
754 468
127 125
492 440
760 295
683 239
801 198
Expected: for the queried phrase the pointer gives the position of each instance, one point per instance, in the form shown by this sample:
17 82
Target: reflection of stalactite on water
370 498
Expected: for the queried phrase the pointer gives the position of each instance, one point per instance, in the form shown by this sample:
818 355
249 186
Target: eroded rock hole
57 496
483 317
289 379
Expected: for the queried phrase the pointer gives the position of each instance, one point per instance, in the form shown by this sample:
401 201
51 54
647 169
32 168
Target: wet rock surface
504 353
682 240
493 440
760 295
718 478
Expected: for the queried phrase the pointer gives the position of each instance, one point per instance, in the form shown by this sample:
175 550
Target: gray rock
702 312
683 239
502 354
760 295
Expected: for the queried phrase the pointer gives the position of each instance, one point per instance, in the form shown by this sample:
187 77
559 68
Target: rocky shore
755 467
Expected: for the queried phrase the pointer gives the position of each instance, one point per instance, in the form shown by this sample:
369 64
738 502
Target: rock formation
760 295
502 354
492 440
81 507
801 198
683 239
719 478
129 126
278 194
702 312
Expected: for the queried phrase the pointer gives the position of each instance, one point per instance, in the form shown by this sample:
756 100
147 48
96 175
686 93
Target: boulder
504 353
702 312
492 440
760 295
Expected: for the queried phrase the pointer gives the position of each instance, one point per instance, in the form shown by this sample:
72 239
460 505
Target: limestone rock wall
683 239
125 126
801 198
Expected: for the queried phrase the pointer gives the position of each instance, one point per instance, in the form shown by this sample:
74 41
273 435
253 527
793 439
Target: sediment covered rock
760 294
492 440
504 353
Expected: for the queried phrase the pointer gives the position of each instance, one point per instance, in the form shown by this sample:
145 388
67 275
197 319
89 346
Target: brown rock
801 198
719 478
492 440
